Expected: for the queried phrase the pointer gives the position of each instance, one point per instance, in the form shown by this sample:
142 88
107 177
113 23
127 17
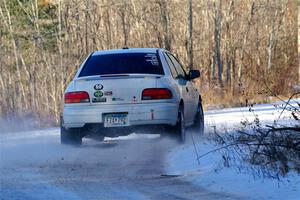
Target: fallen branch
283 128
287 103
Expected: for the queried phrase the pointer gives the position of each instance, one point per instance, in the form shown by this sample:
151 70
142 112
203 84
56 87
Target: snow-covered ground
34 165
239 183
231 118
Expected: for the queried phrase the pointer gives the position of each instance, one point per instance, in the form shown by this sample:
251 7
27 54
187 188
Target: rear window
123 63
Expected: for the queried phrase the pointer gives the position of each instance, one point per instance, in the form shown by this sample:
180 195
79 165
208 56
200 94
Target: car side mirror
194 74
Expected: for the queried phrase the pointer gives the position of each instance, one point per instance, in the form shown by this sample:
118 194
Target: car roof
129 50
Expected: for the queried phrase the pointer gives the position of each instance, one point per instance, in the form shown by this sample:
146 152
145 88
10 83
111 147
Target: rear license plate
115 119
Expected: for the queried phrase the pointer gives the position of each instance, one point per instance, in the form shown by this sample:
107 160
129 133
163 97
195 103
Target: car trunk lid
116 89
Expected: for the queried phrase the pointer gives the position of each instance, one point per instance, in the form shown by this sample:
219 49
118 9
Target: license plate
115 119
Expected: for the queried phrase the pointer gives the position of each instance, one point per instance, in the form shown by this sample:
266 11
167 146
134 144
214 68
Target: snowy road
35 166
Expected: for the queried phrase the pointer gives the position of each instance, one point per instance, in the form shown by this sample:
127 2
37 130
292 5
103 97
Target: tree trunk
251 13
190 54
165 23
217 39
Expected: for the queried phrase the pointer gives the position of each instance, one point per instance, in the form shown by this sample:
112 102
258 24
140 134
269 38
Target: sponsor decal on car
98 87
152 58
98 94
117 99
98 99
108 93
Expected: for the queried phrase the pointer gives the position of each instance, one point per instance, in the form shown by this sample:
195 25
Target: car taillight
156 93
77 97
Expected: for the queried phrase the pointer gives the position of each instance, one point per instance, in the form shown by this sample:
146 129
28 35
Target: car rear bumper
138 114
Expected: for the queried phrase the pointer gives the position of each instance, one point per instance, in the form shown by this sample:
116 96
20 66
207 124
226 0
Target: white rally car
116 92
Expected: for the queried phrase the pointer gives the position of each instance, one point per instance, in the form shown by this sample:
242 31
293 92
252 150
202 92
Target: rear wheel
71 136
178 131
198 126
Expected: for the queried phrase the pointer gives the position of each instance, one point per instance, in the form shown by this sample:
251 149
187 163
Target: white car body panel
123 94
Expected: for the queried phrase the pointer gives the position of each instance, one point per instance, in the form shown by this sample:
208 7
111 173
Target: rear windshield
123 63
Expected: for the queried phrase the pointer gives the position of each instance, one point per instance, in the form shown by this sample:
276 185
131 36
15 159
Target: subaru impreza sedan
117 92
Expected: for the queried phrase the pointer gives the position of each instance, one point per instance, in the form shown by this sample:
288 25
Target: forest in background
246 50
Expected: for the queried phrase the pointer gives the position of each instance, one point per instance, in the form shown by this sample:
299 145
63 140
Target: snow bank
208 174
182 161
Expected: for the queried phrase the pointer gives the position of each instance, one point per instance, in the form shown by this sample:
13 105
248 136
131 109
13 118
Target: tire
178 131
71 136
198 126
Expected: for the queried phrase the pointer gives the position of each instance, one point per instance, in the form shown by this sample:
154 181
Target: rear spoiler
118 76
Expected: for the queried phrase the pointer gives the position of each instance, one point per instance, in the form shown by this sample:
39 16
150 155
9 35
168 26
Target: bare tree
190 35
217 38
234 43
165 23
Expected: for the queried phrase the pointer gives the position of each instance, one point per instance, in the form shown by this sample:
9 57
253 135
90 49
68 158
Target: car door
186 88
179 80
